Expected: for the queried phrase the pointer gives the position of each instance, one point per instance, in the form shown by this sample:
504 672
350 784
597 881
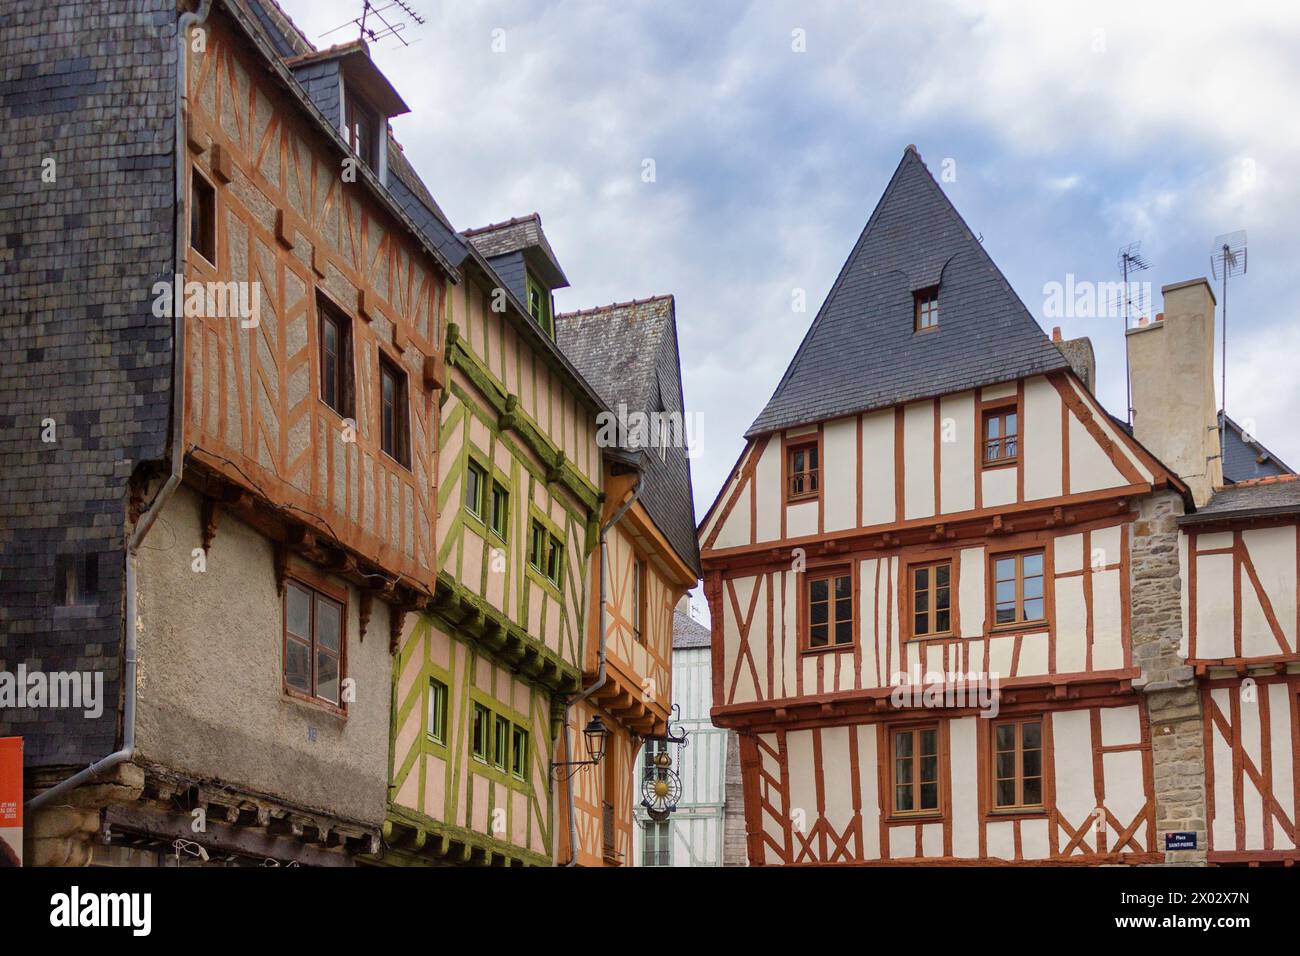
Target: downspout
599 682
185 22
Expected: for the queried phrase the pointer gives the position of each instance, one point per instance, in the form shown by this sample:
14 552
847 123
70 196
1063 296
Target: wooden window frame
328 312
1000 410
791 447
519 752
931 563
503 532
437 689
316 586
991 587
892 733
401 450
554 556
355 105
484 755
481 481
827 573
925 303
536 559
501 742
546 320
1019 807
207 225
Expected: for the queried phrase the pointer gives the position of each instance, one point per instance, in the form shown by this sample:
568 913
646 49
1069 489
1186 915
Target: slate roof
688 633
861 352
628 352
1260 497
521 234
1245 459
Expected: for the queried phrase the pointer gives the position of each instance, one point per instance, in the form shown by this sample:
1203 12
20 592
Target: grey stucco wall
91 87
210 698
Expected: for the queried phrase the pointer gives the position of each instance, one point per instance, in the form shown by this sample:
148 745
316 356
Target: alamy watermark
947 689
78 690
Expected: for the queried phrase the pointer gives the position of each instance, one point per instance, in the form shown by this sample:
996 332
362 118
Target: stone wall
1169 684
86 101
734 852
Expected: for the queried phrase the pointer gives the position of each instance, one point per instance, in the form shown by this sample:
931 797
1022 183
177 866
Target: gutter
600 671
186 21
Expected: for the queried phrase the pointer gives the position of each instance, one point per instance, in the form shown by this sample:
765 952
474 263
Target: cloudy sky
1072 130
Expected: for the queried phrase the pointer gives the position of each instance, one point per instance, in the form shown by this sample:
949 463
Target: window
436 725
539 305
663 436
1018 588
1018 764
1001 436
474 479
546 553
76 579
916 770
926 304
335 358
313 642
537 546
802 474
830 610
932 599
638 587
555 560
519 753
363 128
393 430
501 742
203 217
656 850
479 730
500 516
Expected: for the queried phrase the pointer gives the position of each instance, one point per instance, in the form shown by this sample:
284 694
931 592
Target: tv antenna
1227 258
1130 260
374 25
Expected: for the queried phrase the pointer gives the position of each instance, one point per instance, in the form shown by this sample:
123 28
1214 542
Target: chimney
1078 352
1171 374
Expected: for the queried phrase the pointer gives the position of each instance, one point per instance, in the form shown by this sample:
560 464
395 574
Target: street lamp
594 735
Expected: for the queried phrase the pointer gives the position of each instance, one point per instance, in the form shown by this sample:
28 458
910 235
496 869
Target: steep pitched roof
628 352
1244 458
861 351
688 632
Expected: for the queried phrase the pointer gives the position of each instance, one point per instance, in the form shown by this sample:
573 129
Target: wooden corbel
283 229
222 167
396 617
435 372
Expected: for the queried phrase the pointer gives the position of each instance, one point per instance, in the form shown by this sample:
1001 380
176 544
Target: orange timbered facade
921 598
1241 558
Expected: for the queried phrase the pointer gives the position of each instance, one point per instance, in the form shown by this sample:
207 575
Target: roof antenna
1130 260
374 26
1227 258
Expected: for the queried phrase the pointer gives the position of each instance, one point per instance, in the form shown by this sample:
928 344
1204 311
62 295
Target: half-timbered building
645 558
482 674
921 576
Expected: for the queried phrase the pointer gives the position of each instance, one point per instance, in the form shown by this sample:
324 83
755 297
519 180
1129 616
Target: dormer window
363 128
539 305
926 309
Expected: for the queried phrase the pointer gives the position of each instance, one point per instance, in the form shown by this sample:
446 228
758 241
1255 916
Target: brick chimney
1171 373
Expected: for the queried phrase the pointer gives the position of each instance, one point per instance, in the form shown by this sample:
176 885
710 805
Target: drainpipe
127 751
600 671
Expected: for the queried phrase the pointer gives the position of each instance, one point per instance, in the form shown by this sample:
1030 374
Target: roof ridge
613 305
493 226
1267 480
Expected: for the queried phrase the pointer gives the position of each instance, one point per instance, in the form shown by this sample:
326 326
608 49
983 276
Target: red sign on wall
11 801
